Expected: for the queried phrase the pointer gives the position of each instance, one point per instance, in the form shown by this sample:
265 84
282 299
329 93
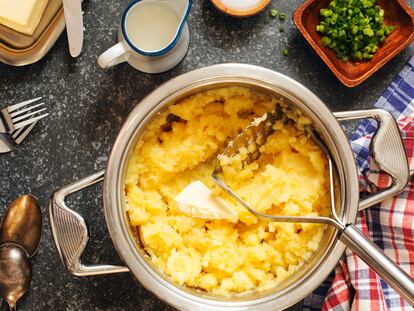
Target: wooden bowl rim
350 82
241 13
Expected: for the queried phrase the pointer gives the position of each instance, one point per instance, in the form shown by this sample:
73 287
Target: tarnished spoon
15 273
22 224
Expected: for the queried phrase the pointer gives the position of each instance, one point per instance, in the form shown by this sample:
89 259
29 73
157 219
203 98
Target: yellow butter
22 15
199 201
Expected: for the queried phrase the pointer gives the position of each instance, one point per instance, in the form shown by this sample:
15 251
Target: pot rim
117 222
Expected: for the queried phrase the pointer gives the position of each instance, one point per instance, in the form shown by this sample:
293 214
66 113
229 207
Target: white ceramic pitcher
155 59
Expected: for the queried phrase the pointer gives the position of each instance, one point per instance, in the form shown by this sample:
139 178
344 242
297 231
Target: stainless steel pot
70 231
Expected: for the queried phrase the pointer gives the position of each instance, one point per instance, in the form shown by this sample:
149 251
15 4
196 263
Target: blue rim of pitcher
159 52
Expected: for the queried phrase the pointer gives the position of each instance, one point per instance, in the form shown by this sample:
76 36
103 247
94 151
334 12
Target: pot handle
387 149
374 257
70 232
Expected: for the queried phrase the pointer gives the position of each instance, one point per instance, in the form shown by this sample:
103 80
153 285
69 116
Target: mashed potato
179 147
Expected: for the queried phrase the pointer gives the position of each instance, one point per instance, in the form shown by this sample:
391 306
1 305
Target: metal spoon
22 224
15 273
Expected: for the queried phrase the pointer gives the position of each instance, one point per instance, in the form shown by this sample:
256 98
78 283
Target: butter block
22 15
199 201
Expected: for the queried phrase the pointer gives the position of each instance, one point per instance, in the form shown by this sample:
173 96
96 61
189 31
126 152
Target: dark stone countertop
88 106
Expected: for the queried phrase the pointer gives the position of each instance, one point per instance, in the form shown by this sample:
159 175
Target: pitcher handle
113 56
70 232
388 152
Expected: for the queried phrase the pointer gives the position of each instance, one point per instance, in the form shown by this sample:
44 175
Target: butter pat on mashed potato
197 200
226 257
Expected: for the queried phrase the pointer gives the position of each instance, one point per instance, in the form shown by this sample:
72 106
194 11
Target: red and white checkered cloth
353 285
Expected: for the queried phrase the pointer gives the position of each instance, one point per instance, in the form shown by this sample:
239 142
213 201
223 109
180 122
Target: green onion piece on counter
282 16
273 12
353 29
281 29
285 52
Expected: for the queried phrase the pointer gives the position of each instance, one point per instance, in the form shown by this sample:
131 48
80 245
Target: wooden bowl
221 6
352 73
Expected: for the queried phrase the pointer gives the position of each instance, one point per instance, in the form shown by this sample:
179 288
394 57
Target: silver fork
20 115
10 141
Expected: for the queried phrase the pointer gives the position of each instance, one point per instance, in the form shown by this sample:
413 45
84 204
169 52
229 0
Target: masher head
252 138
248 143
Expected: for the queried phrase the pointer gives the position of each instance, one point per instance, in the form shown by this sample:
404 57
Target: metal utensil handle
387 149
374 257
70 232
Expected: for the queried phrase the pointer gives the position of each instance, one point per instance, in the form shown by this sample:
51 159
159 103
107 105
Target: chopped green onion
353 29
368 31
326 41
281 29
285 52
273 12
282 16
326 12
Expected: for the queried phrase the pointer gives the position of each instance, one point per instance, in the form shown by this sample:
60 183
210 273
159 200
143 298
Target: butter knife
74 25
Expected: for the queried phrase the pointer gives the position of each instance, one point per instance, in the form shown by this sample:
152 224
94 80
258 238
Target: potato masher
252 138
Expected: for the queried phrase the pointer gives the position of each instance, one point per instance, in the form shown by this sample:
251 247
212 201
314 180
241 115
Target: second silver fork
10 141
20 115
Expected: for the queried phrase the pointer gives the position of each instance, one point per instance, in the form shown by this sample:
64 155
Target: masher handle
374 257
